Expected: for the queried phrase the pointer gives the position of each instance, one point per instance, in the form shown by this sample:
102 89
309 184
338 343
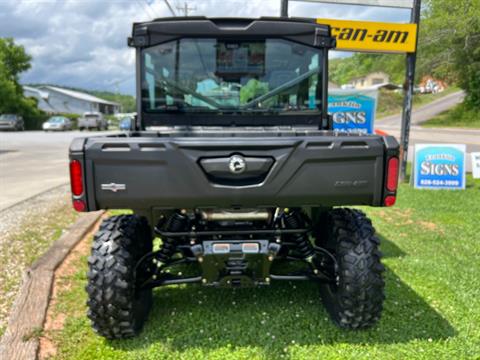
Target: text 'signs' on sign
353 110
439 166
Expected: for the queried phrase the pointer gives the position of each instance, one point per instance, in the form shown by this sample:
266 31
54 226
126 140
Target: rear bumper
165 173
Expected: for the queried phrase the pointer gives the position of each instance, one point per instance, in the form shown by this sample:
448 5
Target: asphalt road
32 162
426 112
419 135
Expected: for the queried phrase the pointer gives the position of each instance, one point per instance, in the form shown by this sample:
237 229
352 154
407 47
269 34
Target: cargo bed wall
142 173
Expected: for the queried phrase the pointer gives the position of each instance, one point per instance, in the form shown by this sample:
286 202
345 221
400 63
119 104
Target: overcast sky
82 43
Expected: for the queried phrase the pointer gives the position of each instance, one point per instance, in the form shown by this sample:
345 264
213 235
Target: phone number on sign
428 182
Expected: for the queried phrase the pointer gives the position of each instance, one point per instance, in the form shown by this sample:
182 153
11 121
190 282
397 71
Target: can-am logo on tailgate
237 164
113 187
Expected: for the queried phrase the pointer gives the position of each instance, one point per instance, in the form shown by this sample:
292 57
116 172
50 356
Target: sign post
408 97
284 8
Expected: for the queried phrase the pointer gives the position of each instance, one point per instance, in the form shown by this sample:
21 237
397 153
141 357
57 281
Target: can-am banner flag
439 166
353 110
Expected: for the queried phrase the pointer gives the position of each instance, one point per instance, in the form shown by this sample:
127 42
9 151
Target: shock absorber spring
176 222
296 220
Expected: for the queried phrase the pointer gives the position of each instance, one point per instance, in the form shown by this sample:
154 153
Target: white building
56 100
370 80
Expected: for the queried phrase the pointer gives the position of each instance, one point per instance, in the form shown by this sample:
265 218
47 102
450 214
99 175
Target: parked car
92 120
11 122
57 123
126 124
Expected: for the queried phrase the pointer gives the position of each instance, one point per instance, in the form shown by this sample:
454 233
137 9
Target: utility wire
144 8
185 8
170 7
150 7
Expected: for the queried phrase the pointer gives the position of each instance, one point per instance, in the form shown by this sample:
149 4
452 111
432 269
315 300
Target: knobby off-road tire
117 310
356 300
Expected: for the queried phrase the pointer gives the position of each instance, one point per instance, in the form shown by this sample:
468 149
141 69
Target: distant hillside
127 101
342 71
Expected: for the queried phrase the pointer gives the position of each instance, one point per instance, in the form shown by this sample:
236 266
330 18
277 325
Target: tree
449 44
448 48
344 70
8 90
14 58
13 61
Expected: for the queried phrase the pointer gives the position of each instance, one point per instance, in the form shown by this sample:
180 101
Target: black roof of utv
302 30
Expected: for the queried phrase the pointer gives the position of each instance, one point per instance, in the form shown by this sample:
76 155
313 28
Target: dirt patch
396 215
428 225
55 321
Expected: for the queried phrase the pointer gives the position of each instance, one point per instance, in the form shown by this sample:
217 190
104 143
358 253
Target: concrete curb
21 338
30 198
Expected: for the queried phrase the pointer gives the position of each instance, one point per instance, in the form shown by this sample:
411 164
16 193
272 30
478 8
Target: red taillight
79 205
389 200
76 180
392 174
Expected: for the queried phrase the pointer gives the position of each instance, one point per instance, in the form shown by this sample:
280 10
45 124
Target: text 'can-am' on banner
369 36
353 110
439 166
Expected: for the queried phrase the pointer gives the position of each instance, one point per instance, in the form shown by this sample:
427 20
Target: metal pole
284 8
408 99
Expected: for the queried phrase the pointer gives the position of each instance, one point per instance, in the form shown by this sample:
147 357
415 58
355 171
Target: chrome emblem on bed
114 187
237 164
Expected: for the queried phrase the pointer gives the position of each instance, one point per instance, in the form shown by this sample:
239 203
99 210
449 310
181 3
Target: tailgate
228 172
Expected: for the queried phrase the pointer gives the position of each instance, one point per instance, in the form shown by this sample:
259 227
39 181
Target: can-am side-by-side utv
234 166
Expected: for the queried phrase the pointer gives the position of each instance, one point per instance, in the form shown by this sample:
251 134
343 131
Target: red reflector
79 205
76 180
390 200
392 174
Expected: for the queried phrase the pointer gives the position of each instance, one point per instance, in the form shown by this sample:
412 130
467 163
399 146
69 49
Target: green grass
432 311
458 116
390 103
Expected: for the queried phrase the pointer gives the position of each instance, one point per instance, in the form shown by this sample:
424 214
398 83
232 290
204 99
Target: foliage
462 115
252 89
449 45
72 117
13 61
448 49
342 71
126 101
432 310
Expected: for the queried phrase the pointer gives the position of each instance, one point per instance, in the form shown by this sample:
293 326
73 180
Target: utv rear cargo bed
281 169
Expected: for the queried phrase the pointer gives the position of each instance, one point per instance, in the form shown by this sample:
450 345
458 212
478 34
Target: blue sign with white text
353 111
439 166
